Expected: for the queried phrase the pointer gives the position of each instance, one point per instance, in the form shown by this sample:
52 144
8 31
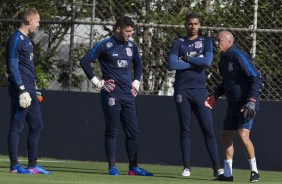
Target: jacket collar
230 49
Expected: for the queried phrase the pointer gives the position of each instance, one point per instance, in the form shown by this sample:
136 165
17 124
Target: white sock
253 164
228 168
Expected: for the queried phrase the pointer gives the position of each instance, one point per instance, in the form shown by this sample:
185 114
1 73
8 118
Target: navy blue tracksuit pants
20 116
120 108
188 101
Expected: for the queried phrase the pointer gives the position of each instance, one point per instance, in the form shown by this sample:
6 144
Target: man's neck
192 37
119 39
24 30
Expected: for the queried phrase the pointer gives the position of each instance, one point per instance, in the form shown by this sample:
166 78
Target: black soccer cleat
254 177
224 178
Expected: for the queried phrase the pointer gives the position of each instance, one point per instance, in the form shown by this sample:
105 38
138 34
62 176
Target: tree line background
70 27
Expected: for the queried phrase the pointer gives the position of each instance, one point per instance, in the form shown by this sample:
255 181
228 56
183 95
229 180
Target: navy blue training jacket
193 73
115 59
20 61
240 78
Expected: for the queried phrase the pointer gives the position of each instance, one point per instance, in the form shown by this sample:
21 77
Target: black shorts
235 120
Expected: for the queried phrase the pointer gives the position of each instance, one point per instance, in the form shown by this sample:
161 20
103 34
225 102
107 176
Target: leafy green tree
154 41
46 47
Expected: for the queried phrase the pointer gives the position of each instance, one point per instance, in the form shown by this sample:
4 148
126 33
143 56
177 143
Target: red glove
210 101
109 85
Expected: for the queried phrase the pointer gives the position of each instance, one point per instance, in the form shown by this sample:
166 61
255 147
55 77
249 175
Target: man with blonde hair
24 103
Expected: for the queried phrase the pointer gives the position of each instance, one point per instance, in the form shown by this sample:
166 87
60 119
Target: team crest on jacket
230 67
21 37
109 44
198 44
111 101
128 52
179 98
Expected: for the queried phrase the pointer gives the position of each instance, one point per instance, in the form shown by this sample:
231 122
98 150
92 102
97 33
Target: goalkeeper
118 90
24 101
241 84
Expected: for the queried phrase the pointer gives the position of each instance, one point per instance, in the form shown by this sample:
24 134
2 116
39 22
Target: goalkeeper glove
135 87
210 101
24 97
39 96
249 109
108 85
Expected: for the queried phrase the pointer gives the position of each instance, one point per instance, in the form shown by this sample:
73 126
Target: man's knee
37 126
111 132
244 135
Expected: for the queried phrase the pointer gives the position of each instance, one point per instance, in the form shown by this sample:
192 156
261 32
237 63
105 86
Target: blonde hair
26 14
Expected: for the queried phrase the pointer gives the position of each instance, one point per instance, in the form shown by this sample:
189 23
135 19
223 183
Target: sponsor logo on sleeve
31 56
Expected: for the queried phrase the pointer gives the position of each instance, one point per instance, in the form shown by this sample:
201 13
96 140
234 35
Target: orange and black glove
39 96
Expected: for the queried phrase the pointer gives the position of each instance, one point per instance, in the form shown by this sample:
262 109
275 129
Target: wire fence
68 30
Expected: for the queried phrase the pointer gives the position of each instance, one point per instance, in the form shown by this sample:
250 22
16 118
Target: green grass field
77 172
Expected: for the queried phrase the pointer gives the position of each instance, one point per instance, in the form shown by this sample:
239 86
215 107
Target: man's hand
210 101
24 97
186 58
108 85
135 87
249 109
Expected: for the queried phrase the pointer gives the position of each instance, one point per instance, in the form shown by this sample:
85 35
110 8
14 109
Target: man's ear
26 22
118 29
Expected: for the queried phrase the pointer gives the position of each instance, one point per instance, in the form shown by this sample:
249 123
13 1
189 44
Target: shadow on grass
170 176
